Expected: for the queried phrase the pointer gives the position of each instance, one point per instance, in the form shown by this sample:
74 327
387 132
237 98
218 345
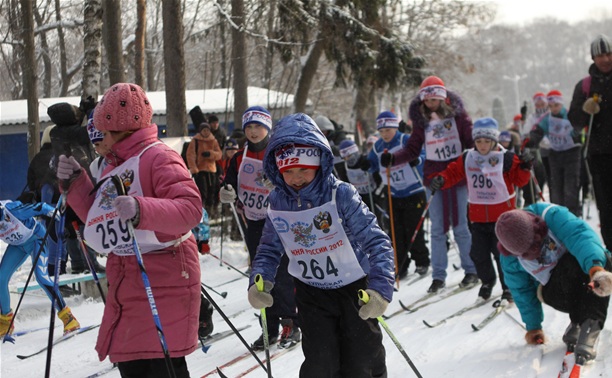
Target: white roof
209 100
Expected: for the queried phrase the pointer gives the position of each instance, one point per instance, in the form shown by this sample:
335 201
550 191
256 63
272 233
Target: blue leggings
14 257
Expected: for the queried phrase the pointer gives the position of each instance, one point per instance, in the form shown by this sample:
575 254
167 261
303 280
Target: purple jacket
413 148
171 207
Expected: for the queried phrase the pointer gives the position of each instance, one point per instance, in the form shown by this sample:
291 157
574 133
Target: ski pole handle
363 296
259 283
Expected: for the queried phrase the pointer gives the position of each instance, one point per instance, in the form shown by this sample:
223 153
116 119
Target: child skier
25 236
492 173
335 248
441 125
246 173
407 194
550 256
357 166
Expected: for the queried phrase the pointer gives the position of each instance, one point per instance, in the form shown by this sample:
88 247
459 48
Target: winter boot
5 320
259 343
507 295
570 337
470 280
436 286
70 322
290 335
587 340
485 291
206 323
421 270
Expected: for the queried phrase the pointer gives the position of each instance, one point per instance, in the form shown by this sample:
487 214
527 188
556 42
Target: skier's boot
259 343
570 337
587 340
70 322
5 321
206 323
290 335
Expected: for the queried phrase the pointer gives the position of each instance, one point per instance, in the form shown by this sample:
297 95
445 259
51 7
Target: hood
297 128
418 120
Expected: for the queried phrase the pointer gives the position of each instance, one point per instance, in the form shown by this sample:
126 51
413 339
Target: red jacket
513 175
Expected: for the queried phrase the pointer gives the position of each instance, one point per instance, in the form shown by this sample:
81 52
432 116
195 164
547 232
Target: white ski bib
402 175
485 175
104 231
251 191
12 230
319 251
442 141
551 252
560 134
361 180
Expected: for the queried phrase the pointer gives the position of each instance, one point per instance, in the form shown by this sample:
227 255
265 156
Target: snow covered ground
452 349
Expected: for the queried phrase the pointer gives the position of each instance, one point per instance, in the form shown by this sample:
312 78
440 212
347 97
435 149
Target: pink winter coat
171 207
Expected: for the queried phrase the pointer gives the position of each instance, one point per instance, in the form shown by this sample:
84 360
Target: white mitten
590 106
375 306
67 167
127 207
261 299
601 283
227 194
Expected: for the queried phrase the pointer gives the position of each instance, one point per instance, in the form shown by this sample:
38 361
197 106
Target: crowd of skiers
330 226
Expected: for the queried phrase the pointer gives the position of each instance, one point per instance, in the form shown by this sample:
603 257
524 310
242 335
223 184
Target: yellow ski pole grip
259 282
364 296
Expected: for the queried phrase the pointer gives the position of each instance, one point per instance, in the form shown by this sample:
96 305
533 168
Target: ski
102 372
273 356
237 359
499 307
416 279
568 363
26 331
208 340
414 306
480 302
61 339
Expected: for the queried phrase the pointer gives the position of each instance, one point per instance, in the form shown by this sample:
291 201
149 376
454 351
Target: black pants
407 212
252 234
336 342
207 184
153 368
567 291
283 293
530 191
484 244
599 166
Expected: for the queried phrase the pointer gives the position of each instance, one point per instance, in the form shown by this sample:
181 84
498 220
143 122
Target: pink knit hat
520 233
123 107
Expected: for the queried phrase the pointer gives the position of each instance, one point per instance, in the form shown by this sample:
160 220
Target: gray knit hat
600 45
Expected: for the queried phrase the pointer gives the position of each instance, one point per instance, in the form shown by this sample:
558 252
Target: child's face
230 153
555 108
112 137
101 149
432 103
540 104
484 145
255 132
298 178
505 144
387 133
205 132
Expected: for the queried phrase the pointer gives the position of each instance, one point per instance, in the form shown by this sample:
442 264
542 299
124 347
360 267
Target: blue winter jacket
26 212
372 246
580 240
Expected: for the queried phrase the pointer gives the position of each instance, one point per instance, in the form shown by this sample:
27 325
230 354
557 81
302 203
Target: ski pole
231 325
60 244
221 242
418 227
365 298
94 274
259 283
228 264
588 138
224 294
8 337
370 192
145 280
392 221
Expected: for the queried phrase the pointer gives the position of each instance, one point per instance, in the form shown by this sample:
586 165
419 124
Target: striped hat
600 46
554 97
486 128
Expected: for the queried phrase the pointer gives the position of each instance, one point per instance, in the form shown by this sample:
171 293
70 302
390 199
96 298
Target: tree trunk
364 108
309 70
45 55
139 43
239 61
29 77
267 79
223 48
112 35
92 46
65 79
174 69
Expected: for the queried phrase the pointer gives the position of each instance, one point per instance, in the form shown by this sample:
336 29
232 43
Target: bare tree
112 36
45 54
239 61
174 71
139 43
92 41
29 77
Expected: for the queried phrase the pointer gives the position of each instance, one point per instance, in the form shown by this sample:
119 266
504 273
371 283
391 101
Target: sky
524 11
451 350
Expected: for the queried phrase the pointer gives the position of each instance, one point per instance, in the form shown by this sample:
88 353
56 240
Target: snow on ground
452 349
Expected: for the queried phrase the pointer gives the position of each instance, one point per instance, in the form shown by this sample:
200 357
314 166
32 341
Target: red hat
539 96
521 233
123 107
517 117
555 97
297 156
432 87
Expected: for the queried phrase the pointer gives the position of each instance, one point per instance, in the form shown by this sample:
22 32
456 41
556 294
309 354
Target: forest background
350 58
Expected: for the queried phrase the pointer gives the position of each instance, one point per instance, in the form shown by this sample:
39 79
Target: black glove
87 105
527 158
524 111
206 153
386 159
364 164
436 184
415 162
